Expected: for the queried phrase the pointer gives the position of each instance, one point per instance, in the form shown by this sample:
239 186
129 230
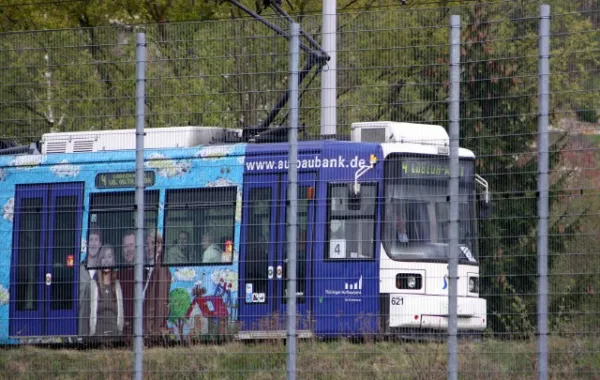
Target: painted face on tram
153 247
94 244
107 258
129 248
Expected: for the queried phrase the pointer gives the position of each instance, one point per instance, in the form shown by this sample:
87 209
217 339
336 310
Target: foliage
179 303
575 283
587 114
40 88
499 95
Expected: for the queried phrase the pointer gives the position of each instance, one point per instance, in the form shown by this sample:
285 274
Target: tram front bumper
431 312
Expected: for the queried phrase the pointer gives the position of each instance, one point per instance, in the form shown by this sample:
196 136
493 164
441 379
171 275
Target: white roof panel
125 139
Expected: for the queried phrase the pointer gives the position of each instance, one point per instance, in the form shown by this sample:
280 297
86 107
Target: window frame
152 195
466 189
171 206
330 218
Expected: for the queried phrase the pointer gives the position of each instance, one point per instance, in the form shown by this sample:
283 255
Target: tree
179 303
499 100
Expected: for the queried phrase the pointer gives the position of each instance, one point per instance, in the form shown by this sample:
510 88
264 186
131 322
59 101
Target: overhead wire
38 3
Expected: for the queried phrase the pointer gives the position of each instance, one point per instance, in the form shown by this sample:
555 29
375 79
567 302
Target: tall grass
577 358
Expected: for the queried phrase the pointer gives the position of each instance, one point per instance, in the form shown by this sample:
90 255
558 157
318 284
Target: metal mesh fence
372 264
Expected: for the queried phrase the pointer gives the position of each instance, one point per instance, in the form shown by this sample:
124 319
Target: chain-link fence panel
373 213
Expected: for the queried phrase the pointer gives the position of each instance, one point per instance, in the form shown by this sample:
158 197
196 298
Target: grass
577 358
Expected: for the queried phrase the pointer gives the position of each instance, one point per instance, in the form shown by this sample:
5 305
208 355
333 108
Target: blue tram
215 235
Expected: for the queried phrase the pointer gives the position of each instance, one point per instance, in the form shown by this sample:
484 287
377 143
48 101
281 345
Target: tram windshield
417 209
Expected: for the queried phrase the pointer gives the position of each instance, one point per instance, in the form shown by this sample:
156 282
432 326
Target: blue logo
445 282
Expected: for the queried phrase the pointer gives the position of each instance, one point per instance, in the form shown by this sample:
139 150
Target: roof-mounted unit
394 132
124 139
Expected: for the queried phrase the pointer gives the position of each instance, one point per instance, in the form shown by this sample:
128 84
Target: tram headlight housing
409 281
473 284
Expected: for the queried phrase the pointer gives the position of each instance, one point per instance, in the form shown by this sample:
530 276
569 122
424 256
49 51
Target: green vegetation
489 360
179 302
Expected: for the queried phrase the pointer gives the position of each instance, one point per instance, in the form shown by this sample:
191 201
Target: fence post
454 116
292 217
543 163
140 100
329 76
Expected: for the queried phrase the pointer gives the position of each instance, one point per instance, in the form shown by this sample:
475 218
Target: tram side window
200 225
302 242
258 237
351 233
112 221
28 258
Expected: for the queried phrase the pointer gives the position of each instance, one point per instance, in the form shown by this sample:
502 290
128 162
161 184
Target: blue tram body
47 204
335 295
353 277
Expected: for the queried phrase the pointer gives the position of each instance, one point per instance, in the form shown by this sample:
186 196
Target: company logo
355 286
350 288
445 282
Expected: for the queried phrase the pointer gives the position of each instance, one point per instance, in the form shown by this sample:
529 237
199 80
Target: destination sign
122 179
427 168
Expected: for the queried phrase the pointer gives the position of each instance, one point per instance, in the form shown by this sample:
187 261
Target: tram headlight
411 282
474 284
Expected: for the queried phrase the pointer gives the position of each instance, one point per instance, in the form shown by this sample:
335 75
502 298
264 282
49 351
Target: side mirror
484 197
484 206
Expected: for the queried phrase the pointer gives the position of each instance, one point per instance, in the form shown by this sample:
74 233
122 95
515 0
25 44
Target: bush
587 113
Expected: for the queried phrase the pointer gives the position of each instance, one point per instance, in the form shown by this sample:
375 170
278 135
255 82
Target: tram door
263 253
45 255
